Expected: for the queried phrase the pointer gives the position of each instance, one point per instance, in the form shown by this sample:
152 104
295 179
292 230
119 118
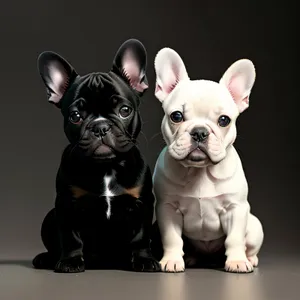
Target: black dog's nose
199 134
100 129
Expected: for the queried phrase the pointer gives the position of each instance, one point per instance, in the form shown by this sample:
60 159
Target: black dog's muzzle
100 127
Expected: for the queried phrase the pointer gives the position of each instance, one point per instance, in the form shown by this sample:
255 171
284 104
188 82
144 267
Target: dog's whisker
156 135
145 137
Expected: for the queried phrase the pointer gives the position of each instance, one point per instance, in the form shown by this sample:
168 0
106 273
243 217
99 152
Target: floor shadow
17 262
90 265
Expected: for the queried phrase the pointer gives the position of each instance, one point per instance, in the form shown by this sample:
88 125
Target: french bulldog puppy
199 182
104 203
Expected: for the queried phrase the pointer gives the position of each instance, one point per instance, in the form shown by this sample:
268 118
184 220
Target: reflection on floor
276 278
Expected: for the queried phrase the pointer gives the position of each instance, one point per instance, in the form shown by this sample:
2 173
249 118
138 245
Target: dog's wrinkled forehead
200 98
98 90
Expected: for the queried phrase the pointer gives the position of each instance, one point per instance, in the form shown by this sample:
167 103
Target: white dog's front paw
238 266
172 264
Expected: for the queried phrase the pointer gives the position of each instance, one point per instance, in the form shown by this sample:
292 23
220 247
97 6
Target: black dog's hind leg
71 245
142 258
61 239
50 239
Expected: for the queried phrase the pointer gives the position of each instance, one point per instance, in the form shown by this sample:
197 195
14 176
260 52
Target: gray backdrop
209 36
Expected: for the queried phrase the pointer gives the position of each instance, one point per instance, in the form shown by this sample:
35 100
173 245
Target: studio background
209 36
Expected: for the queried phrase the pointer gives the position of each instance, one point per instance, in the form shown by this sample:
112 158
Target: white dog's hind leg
254 239
170 222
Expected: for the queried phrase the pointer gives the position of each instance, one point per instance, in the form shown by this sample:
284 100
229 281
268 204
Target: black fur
77 232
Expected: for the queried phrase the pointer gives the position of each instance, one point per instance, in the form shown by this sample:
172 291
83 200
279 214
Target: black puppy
104 204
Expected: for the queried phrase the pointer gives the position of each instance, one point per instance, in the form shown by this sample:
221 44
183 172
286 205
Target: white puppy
199 182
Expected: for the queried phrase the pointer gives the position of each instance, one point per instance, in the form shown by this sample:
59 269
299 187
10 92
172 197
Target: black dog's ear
130 62
57 75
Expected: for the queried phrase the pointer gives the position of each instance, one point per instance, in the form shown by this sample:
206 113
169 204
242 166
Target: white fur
206 201
108 194
100 119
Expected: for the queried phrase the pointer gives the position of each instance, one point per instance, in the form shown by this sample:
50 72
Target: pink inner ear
59 82
157 88
169 78
236 87
172 79
54 98
132 72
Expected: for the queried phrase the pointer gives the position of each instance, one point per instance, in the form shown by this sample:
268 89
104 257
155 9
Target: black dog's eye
125 112
224 121
75 117
176 117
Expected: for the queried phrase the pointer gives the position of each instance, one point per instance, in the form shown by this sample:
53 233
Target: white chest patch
108 194
201 218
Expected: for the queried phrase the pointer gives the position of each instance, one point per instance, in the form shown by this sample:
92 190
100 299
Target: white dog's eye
224 121
176 116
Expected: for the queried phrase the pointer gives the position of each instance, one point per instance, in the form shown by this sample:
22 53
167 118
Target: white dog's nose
199 134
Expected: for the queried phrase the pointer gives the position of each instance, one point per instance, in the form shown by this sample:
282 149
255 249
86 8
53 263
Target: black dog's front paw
70 265
44 261
142 262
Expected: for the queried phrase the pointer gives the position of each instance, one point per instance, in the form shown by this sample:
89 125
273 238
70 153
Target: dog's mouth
104 149
103 152
197 154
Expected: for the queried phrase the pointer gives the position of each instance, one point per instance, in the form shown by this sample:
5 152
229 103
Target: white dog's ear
239 80
170 70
